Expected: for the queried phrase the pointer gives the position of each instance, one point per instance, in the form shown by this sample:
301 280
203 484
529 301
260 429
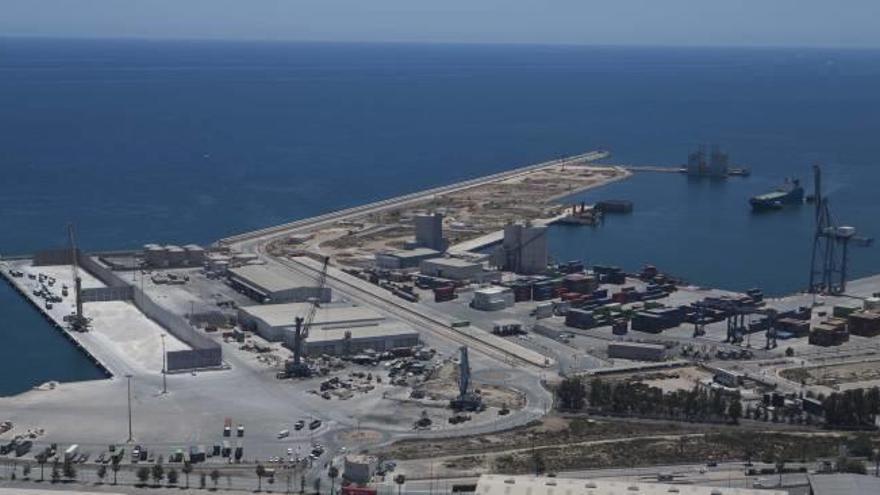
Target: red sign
358 490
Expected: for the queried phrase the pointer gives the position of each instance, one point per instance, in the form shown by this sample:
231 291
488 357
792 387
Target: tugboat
792 193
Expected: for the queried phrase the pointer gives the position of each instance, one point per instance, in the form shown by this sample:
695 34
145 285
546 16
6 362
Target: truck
71 451
240 431
23 448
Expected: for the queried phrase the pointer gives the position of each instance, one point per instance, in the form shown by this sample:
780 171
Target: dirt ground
552 430
836 374
569 443
443 385
469 213
676 379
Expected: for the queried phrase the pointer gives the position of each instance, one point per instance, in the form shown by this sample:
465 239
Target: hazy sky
668 22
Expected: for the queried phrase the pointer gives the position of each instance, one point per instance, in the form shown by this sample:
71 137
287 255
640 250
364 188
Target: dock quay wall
57 326
204 352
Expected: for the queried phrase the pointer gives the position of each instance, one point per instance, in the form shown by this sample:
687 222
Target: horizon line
257 40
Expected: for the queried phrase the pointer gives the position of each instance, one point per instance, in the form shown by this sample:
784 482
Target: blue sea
148 141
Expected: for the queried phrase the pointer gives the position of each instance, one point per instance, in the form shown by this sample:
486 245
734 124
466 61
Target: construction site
393 331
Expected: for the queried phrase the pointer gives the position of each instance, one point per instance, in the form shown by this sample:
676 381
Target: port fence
103 294
204 352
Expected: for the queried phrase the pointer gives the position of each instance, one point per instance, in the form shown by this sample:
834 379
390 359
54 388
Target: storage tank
155 255
195 254
176 255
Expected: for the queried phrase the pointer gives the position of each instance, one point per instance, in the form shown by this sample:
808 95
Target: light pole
164 367
130 436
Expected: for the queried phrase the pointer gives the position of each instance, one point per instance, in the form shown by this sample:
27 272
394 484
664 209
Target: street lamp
130 436
164 367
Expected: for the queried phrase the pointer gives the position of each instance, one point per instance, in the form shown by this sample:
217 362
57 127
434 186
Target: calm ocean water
187 142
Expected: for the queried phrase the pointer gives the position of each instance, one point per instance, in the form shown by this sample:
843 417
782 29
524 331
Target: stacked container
579 318
446 293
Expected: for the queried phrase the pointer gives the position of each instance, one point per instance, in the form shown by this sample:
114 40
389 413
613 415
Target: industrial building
429 231
492 484
171 256
275 286
494 298
274 322
451 268
402 260
344 341
360 468
336 329
637 351
523 249
864 323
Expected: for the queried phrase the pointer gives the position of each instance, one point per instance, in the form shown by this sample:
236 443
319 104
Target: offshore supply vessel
792 193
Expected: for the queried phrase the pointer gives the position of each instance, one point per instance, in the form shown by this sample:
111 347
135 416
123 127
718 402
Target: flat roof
272 280
529 485
844 484
372 332
413 253
495 289
455 262
640 345
283 315
506 322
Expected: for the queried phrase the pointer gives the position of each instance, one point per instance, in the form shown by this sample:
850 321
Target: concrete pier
400 201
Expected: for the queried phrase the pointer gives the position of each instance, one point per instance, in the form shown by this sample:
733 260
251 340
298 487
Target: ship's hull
777 200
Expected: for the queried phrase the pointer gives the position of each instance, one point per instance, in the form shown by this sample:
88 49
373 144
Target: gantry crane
830 246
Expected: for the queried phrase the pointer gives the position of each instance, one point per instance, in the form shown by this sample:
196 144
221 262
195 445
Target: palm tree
261 471
143 474
157 473
69 470
400 480
114 466
215 477
186 469
172 476
102 472
41 460
780 467
333 473
56 473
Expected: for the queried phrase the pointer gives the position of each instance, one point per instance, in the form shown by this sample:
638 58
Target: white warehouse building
266 285
451 268
336 328
494 298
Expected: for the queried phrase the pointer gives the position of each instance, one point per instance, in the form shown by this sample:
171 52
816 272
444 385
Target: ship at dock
791 193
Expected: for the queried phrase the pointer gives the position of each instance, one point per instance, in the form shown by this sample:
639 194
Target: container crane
296 368
78 322
830 255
